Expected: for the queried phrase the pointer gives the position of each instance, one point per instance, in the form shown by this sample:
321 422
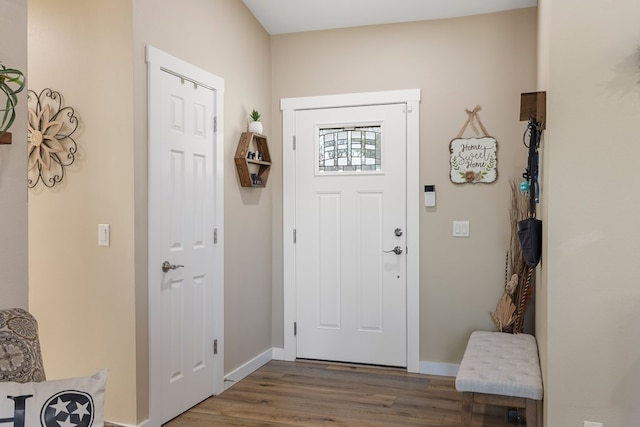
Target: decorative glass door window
355 149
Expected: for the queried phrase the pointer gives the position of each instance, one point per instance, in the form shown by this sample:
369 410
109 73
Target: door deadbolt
398 232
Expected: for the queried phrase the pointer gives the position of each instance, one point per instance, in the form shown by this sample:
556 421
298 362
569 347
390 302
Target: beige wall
590 69
224 38
13 165
587 298
544 44
458 63
101 292
82 294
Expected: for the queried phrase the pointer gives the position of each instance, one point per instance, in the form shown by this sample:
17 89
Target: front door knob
397 250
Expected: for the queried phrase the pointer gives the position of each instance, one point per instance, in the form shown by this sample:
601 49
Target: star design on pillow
67 423
81 410
60 406
69 408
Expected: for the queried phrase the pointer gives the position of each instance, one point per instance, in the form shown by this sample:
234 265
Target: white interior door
183 254
350 215
187 242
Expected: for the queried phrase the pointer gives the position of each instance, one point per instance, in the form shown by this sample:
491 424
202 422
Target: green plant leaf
255 116
12 82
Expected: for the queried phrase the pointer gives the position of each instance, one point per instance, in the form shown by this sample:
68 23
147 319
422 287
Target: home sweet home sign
473 160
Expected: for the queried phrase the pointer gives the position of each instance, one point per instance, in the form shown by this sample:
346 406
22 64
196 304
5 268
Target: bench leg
467 408
532 412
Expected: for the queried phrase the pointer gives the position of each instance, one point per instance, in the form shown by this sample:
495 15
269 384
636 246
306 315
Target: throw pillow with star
73 402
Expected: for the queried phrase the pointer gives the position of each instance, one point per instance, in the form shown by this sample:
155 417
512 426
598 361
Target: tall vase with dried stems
518 212
511 308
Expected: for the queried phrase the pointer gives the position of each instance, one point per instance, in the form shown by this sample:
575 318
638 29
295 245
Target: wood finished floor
314 394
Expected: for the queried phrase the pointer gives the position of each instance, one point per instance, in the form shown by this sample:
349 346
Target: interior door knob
166 266
397 250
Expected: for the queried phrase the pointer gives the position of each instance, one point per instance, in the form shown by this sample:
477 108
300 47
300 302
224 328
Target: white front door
183 253
350 216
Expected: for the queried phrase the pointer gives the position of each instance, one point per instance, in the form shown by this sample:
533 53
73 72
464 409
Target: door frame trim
289 106
159 62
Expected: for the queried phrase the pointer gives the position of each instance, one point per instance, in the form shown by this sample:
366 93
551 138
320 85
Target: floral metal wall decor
51 147
473 160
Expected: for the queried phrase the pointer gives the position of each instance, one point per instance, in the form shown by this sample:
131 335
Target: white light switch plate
460 228
104 234
592 424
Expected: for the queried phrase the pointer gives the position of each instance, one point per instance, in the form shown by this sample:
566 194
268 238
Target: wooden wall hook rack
533 106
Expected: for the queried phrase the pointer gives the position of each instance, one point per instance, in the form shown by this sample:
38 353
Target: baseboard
443 369
278 353
110 424
428 368
254 364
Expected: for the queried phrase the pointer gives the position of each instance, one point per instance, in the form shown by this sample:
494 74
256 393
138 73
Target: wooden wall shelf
254 171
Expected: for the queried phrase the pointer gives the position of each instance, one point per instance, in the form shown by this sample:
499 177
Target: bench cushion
501 363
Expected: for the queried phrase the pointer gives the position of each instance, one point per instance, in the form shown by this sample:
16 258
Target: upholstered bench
500 369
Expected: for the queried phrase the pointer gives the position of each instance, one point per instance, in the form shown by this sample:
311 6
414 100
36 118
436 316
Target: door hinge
295 329
215 235
294 142
294 235
215 123
215 346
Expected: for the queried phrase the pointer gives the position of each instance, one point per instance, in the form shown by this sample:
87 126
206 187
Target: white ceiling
291 16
